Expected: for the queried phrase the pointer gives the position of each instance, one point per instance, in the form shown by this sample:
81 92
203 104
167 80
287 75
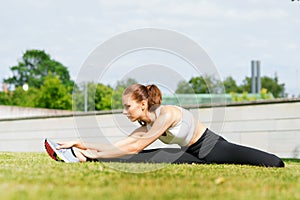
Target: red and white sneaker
62 155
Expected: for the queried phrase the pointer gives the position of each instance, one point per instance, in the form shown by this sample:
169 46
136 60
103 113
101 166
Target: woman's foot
63 155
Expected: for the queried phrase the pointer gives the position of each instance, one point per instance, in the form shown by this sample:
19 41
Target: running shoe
62 155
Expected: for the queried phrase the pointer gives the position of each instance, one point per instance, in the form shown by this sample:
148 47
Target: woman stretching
170 124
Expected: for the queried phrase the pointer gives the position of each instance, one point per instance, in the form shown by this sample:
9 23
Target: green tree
246 85
99 97
78 96
184 87
103 97
230 85
125 83
206 84
5 98
54 94
19 97
34 67
271 84
118 91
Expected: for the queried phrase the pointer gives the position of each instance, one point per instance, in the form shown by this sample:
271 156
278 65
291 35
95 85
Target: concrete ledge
17 112
13 113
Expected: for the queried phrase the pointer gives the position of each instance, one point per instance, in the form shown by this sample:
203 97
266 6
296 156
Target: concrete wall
273 127
19 112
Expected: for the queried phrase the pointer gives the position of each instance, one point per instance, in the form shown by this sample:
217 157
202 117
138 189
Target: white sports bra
182 133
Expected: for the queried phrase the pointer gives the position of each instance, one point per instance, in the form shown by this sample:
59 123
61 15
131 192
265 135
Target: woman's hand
65 145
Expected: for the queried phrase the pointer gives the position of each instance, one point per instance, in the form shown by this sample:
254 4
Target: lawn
36 176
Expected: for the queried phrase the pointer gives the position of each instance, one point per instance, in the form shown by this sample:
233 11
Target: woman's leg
163 155
226 152
212 148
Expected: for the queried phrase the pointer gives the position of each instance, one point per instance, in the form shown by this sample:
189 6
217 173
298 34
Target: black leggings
210 148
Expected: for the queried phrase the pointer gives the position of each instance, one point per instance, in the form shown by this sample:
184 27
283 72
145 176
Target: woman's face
133 109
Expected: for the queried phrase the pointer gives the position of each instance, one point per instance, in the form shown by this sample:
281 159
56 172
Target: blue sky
232 32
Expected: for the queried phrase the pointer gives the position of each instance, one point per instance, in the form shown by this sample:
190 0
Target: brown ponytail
154 95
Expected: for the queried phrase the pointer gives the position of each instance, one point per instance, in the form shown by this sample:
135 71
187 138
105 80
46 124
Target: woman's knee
278 162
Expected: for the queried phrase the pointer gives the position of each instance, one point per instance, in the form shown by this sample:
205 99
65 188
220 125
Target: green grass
36 176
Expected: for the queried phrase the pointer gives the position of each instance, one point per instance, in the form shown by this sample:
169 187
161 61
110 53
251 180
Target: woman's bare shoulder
170 107
171 110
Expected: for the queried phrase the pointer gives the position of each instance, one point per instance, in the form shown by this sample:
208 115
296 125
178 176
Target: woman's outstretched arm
102 147
136 142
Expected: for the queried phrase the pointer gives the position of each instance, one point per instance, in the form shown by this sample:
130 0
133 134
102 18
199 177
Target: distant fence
204 99
273 126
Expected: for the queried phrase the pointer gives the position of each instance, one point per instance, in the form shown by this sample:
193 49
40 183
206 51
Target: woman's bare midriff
199 131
